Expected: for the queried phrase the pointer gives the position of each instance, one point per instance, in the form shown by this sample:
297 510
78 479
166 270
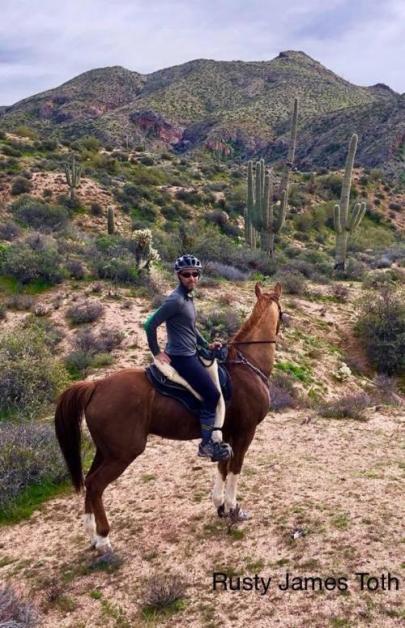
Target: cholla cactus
72 173
346 221
144 251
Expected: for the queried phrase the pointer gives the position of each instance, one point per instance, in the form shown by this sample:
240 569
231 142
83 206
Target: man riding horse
179 314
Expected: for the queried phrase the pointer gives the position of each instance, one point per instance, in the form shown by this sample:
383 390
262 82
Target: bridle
241 359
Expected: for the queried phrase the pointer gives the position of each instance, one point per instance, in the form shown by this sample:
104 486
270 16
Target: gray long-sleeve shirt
178 312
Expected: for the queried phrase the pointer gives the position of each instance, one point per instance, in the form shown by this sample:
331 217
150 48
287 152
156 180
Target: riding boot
208 448
207 422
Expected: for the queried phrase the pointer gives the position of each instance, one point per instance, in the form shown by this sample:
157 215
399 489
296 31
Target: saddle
183 393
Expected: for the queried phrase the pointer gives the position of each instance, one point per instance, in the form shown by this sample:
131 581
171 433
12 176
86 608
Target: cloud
44 43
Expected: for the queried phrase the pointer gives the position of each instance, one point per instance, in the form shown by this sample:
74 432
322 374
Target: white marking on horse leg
102 543
90 526
230 491
218 490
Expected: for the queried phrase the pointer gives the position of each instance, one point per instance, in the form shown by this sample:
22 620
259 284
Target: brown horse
122 409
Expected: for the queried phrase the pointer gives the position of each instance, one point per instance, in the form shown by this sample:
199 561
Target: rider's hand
163 357
215 345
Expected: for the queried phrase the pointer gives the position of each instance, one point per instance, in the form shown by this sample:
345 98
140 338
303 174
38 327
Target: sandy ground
340 482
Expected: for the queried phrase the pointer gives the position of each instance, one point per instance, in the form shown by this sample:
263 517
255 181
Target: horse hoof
238 515
221 511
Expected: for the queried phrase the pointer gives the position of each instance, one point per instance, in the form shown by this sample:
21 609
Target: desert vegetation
88 235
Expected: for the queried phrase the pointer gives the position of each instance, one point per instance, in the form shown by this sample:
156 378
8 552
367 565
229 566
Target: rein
243 360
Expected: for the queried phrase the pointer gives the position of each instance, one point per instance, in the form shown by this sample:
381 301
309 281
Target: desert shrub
385 390
75 269
38 214
15 612
354 271
20 302
3 311
217 217
220 323
117 269
217 269
77 363
20 185
381 279
163 593
191 197
11 150
210 245
283 393
115 258
96 209
105 342
30 376
340 293
292 282
330 186
381 328
86 312
348 407
9 231
34 259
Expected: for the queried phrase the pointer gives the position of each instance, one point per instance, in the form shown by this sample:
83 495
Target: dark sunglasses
188 275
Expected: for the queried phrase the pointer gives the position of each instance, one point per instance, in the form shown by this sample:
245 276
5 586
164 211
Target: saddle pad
168 388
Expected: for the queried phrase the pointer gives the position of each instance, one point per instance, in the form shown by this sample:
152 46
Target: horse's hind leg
108 471
88 517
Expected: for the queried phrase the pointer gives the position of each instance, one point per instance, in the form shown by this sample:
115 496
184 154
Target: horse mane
255 316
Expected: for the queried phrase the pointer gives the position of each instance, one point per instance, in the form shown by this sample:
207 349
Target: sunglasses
188 275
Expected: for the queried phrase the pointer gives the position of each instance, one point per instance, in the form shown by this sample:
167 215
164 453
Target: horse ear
278 289
258 290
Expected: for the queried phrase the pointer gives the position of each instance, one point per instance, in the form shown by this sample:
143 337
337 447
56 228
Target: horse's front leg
218 489
230 507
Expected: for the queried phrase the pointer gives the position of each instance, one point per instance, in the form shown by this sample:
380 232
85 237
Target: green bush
30 376
20 185
86 312
26 262
381 328
38 214
348 407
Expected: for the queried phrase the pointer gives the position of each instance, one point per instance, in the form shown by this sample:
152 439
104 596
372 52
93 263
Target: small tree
381 327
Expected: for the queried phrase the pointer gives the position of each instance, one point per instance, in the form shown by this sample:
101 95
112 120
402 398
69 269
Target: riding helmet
187 261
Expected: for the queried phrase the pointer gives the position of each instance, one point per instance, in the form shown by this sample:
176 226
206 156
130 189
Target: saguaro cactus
72 173
261 213
110 221
345 220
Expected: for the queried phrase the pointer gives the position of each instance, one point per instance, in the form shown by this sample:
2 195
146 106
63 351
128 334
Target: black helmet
187 261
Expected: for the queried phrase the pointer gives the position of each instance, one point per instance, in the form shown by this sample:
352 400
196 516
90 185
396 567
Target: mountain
238 108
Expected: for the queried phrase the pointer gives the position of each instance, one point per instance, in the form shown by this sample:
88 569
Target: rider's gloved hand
215 345
163 357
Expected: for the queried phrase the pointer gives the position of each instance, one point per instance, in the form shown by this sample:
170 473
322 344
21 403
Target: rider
178 312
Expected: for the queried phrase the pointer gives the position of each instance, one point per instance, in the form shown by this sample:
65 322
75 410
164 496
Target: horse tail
68 416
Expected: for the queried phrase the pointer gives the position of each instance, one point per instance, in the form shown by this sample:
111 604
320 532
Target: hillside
234 108
323 477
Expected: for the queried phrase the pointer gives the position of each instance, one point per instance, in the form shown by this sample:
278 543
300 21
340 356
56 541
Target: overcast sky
44 43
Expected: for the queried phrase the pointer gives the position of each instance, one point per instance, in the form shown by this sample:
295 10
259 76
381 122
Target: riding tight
197 376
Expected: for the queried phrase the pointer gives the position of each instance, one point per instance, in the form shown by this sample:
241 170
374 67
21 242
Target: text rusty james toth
361 580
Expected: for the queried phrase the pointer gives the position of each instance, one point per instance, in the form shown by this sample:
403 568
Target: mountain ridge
236 108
